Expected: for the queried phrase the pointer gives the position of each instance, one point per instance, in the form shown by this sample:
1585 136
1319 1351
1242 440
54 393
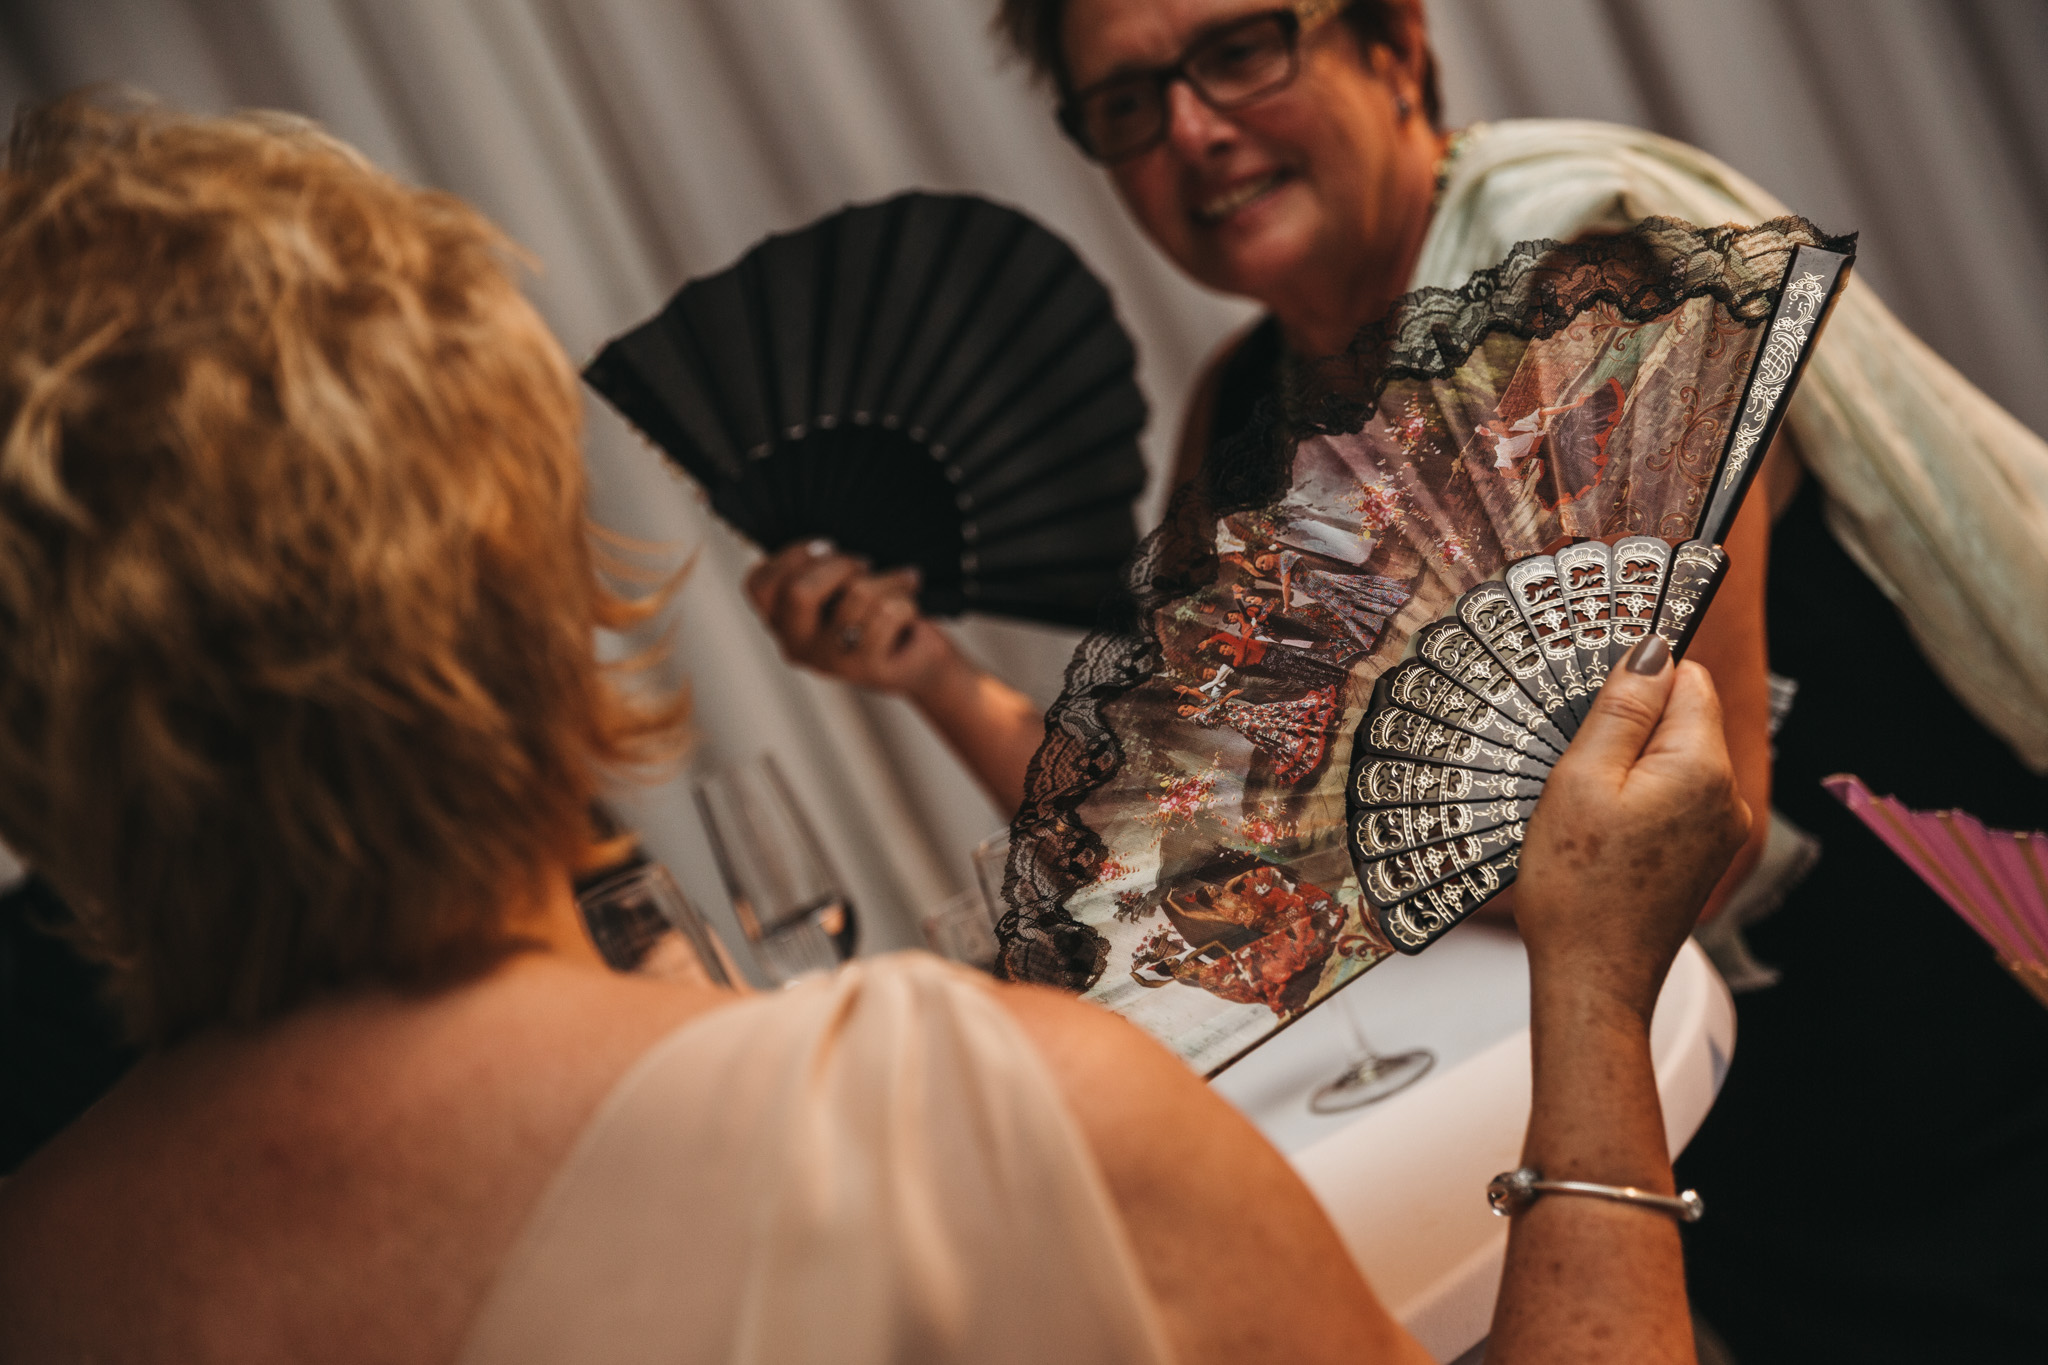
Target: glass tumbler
791 904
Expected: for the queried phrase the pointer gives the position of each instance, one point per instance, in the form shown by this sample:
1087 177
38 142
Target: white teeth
1229 202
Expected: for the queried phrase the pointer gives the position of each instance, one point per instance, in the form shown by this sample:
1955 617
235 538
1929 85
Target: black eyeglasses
1227 68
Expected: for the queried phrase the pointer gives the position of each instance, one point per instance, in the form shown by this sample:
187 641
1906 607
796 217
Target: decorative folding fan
933 380
1996 879
1453 750
1185 853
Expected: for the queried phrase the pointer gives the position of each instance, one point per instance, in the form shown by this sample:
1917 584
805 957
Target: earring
1402 108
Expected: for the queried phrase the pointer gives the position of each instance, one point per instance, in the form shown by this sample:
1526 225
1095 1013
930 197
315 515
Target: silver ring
849 638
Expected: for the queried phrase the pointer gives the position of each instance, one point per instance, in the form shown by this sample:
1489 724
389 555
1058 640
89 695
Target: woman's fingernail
1649 657
819 548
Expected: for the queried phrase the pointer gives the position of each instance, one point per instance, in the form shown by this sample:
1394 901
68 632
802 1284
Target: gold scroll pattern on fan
1405 733
1488 611
1418 920
1805 299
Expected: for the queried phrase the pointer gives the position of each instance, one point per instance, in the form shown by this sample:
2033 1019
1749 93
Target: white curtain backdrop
631 144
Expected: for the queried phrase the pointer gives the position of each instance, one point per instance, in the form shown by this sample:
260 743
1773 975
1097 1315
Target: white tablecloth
1404 1180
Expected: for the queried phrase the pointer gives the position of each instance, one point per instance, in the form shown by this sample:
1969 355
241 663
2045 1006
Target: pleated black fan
1313 731
933 380
1448 761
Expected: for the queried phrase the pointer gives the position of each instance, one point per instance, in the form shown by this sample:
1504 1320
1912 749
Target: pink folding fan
1996 879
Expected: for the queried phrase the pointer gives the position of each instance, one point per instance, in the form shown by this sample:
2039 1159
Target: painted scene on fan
1225 903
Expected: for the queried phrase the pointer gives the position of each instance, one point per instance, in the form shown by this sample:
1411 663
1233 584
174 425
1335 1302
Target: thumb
1628 708
1692 714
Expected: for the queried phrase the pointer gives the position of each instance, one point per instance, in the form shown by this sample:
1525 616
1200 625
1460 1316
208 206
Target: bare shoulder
1241 1259
340 1185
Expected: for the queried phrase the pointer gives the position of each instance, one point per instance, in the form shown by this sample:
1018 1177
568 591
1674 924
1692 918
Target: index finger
766 578
902 582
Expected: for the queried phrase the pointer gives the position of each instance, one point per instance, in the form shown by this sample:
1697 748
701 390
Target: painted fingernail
1650 657
819 548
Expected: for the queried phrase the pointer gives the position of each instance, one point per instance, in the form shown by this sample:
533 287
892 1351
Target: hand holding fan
933 380
1497 688
1513 482
1996 879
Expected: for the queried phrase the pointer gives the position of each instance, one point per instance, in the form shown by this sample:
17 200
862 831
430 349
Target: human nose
1194 129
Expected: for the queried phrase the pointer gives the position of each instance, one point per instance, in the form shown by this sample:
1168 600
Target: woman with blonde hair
300 710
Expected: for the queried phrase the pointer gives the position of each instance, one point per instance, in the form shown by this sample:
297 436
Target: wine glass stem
1361 1051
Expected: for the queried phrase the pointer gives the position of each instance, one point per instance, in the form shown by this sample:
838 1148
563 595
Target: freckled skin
1604 902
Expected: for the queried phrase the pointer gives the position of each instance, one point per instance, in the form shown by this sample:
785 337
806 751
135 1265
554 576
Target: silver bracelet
1512 1191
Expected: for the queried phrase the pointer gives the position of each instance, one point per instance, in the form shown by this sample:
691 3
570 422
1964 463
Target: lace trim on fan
1536 291
1053 853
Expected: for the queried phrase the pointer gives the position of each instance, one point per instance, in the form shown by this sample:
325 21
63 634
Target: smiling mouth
1238 196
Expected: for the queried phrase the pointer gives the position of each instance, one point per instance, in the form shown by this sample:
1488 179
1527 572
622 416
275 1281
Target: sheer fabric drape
871 1169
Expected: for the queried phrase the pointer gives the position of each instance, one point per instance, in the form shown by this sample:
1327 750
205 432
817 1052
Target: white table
1404 1180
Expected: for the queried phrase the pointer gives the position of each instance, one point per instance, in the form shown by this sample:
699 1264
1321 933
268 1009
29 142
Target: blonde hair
297 597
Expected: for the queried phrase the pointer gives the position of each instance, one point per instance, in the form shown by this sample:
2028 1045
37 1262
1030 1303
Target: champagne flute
790 903
991 864
964 928
960 931
1369 1076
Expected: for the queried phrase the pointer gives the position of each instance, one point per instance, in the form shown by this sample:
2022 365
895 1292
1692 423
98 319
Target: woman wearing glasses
1292 155
1287 155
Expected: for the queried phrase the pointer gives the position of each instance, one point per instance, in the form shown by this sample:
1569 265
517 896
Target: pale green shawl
1936 491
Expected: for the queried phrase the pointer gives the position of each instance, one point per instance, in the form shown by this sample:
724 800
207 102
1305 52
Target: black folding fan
934 380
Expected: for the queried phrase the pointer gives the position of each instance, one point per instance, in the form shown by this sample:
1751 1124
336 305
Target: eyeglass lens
1229 68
